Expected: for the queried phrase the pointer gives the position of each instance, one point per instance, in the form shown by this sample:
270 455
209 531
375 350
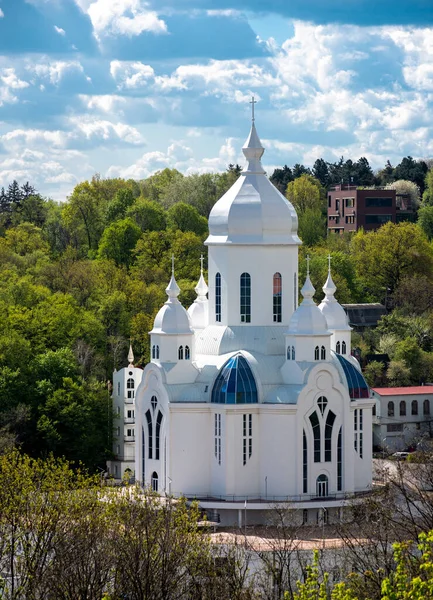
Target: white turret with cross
199 309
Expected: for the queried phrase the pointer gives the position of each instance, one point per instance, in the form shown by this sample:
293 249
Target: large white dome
307 318
334 313
172 318
253 211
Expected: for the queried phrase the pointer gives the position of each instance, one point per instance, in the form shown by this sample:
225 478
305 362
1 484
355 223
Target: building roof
308 318
335 314
404 391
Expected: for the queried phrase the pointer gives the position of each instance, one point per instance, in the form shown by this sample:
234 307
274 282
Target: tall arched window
328 436
337 348
426 407
316 353
304 463
323 353
314 420
187 353
245 303
154 351
180 353
157 434
157 351
218 297
402 408
293 353
154 402
322 486
154 481
390 409
277 291
339 461
289 356
149 433
130 387
343 348
414 407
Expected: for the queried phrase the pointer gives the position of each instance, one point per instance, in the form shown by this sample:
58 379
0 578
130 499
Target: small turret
199 309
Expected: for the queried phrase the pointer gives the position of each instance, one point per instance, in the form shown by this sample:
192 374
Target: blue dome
358 387
235 383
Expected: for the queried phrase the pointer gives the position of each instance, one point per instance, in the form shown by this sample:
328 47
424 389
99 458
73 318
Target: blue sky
127 87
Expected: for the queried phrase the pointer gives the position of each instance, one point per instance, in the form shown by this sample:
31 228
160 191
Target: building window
329 201
153 351
358 442
337 348
180 353
343 347
322 486
390 409
245 304
247 434
218 297
130 432
154 481
402 408
339 461
235 383
118 431
377 219
277 291
323 353
293 353
337 204
118 411
154 402
328 436
130 414
394 427
157 352
149 433
217 419
304 463
118 388
305 516
316 353
426 407
290 352
314 420
130 387
187 353
414 407
295 291
350 202
322 403
378 202
158 434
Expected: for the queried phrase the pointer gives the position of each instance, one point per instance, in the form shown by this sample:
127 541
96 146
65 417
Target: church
249 399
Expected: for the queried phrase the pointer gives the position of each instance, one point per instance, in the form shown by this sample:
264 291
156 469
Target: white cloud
131 74
108 103
85 126
1 14
10 79
228 12
55 71
121 17
59 30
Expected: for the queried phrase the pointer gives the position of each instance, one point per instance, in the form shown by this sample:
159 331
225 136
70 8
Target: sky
124 88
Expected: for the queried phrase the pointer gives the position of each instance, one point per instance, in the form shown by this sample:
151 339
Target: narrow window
328 436
322 403
337 348
143 454
118 410
343 347
153 351
295 291
391 409
293 352
154 481
322 486
157 352
218 297
154 402
250 435
158 434
339 461
187 353
314 420
247 433
118 388
277 297
414 407
323 353
130 387
149 433
217 436
316 353
305 516
288 353
304 463
245 304
402 408
426 407
180 353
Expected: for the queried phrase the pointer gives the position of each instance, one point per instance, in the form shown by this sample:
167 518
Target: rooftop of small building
404 391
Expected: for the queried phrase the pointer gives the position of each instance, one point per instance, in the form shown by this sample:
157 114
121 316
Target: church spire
172 290
329 288
201 288
253 149
130 357
308 290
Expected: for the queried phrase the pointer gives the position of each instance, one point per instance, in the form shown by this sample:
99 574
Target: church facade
250 399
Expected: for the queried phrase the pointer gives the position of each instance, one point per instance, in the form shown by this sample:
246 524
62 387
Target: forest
81 279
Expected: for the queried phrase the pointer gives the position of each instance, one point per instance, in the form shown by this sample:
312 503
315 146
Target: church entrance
322 486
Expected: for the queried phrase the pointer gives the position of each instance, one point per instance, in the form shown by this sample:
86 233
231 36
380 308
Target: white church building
250 399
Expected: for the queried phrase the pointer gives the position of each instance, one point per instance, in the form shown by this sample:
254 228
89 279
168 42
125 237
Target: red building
350 208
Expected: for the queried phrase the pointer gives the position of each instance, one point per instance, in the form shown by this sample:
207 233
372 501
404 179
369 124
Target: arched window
289 356
328 436
316 353
187 353
157 434
343 348
314 420
322 486
154 402
153 351
339 462
245 303
180 353
218 297
293 353
390 409
149 433
337 348
402 408
414 407
304 463
323 353
157 352
235 383
130 387
322 403
277 291
154 481
426 407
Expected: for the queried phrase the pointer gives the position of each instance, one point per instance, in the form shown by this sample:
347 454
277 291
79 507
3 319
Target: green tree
312 226
305 193
118 206
155 186
425 220
398 373
406 188
184 217
427 197
118 241
282 177
148 215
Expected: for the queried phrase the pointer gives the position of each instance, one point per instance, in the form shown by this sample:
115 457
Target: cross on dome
329 262
252 102
201 263
308 264
201 288
172 264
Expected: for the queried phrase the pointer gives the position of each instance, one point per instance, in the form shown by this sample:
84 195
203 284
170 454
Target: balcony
129 420
129 438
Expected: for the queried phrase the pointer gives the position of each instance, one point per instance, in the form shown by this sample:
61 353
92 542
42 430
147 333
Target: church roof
335 314
307 318
199 309
253 211
172 318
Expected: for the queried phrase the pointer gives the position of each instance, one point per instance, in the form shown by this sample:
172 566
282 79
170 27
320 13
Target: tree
149 215
119 205
363 173
321 172
184 217
33 209
304 193
427 197
404 187
15 194
425 220
398 373
312 226
281 178
156 185
385 175
411 170
374 373
118 241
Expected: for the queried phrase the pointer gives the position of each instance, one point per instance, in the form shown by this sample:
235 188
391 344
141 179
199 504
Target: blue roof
356 383
235 383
